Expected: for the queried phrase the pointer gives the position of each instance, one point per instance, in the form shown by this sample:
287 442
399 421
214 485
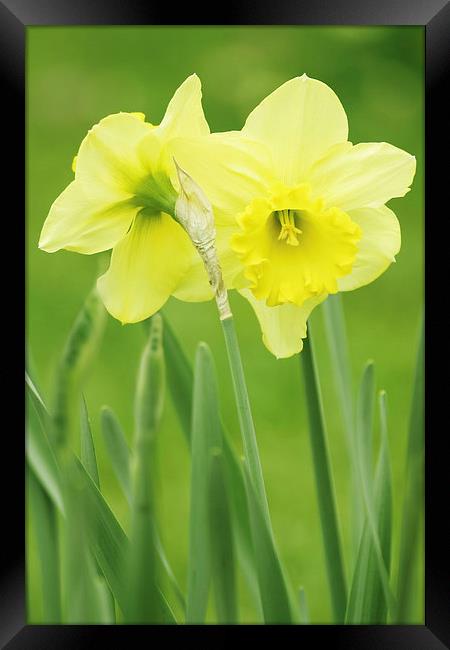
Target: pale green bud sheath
194 212
144 597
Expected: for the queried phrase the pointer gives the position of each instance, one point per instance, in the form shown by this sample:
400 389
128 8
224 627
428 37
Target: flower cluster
299 210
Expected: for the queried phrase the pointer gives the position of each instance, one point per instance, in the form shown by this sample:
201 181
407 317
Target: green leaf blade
371 531
88 457
118 449
45 527
413 500
275 598
180 383
367 603
205 435
143 601
221 537
324 481
38 449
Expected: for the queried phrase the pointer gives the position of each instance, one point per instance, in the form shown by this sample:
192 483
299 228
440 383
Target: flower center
156 193
289 230
293 247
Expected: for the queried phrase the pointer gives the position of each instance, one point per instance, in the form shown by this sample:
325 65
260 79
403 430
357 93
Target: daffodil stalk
194 212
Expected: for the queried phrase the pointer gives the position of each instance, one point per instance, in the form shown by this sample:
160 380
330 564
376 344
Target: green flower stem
324 485
244 413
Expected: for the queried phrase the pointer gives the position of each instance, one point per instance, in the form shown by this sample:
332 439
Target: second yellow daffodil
305 217
123 197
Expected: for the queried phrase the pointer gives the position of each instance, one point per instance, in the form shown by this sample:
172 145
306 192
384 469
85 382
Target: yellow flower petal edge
299 122
283 327
144 270
379 244
123 198
84 224
364 175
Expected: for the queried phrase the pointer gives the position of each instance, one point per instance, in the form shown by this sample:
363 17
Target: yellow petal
146 267
299 121
108 164
366 175
184 115
78 223
194 286
379 243
230 168
283 327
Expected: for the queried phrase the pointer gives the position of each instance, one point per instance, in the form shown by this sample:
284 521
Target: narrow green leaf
179 378
120 456
118 450
105 599
88 457
165 564
367 603
80 603
143 602
364 424
336 333
324 481
246 424
304 610
414 494
44 522
205 435
364 441
222 552
80 348
110 544
39 452
274 592
180 383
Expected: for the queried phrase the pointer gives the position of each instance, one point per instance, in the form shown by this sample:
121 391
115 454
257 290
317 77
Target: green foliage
412 515
275 598
143 602
324 481
118 450
367 602
382 95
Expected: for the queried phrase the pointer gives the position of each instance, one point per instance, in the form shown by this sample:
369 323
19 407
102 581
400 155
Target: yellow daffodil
123 197
305 214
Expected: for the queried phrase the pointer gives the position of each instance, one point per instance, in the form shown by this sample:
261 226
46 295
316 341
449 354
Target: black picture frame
434 15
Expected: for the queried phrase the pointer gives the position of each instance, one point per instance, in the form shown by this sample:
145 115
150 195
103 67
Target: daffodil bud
150 384
194 212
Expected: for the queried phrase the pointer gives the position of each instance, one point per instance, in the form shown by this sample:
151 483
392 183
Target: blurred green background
78 75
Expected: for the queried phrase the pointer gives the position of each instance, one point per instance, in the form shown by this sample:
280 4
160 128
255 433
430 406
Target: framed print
225 414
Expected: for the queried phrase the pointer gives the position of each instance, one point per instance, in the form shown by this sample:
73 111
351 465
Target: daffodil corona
305 214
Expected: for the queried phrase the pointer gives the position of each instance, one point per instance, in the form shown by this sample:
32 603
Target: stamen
289 230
